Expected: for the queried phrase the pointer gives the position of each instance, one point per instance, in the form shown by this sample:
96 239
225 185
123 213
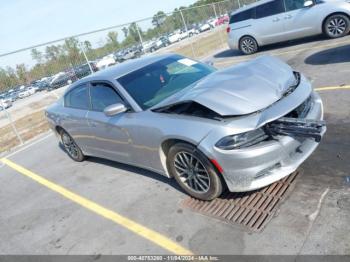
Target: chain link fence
34 77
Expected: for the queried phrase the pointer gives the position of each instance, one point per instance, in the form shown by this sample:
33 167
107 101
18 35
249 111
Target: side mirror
308 3
115 109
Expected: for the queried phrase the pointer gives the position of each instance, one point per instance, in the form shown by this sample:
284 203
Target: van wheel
194 172
337 25
248 45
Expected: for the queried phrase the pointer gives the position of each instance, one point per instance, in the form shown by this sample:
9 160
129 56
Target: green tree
112 40
134 32
37 55
53 52
87 46
125 31
22 73
158 19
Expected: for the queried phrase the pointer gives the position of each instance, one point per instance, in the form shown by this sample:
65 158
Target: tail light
228 29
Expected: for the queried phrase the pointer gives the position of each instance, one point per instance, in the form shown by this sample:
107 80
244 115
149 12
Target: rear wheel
337 25
194 172
248 45
72 149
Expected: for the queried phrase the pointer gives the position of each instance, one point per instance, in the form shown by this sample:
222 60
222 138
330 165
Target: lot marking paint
332 88
138 229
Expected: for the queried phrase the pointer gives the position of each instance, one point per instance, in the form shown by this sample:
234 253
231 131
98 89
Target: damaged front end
294 127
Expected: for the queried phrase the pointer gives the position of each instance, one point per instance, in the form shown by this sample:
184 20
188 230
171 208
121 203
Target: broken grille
252 210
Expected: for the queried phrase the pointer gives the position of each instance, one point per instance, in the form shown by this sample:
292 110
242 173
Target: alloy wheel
248 46
70 146
192 172
336 26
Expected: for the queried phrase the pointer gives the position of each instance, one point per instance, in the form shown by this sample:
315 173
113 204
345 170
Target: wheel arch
59 129
331 14
165 147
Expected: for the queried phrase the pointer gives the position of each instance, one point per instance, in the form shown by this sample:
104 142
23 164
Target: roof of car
246 7
119 70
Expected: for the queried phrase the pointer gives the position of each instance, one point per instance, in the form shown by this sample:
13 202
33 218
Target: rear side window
270 8
103 95
242 16
78 98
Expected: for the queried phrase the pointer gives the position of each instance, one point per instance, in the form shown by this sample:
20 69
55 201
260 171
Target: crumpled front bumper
257 166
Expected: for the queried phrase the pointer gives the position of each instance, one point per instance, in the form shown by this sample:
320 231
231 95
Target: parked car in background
13 95
206 128
204 27
184 34
5 103
222 20
149 46
266 22
174 37
192 30
212 22
106 61
40 85
84 70
162 41
128 53
27 91
61 79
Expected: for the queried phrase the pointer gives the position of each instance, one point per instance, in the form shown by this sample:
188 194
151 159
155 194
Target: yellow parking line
332 88
138 229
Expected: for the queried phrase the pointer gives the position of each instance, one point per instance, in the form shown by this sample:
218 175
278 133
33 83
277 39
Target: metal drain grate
252 210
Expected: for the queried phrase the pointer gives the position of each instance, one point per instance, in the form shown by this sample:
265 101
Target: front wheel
337 26
248 45
194 172
72 149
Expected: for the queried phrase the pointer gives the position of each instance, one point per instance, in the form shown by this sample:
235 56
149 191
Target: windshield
155 82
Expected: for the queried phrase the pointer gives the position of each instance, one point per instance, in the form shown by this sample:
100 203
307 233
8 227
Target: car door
110 137
268 23
300 21
76 106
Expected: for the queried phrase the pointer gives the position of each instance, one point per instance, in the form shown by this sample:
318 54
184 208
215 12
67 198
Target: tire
336 26
204 182
71 148
248 45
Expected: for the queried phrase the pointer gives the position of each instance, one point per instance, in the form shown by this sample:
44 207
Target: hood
241 89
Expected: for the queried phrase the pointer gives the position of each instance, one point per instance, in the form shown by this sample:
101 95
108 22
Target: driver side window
103 95
294 4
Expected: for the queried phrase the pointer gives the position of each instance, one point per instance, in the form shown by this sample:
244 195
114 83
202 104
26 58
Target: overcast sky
30 22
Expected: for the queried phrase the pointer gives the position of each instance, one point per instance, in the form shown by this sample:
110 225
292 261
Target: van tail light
228 29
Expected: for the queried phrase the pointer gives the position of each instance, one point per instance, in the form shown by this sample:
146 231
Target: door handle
276 19
288 17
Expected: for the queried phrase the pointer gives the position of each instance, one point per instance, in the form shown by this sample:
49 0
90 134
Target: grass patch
28 127
202 45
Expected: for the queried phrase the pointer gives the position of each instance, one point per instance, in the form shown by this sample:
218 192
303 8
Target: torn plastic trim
305 128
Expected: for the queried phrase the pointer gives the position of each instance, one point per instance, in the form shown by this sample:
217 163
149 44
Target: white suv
271 21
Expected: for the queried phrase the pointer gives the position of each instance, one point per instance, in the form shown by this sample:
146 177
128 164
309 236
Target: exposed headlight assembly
241 140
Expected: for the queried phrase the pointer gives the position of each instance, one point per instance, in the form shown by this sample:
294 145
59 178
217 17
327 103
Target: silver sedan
237 129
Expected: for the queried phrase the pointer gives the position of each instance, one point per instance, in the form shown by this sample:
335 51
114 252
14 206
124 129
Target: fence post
220 36
11 122
87 60
239 3
188 35
140 37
